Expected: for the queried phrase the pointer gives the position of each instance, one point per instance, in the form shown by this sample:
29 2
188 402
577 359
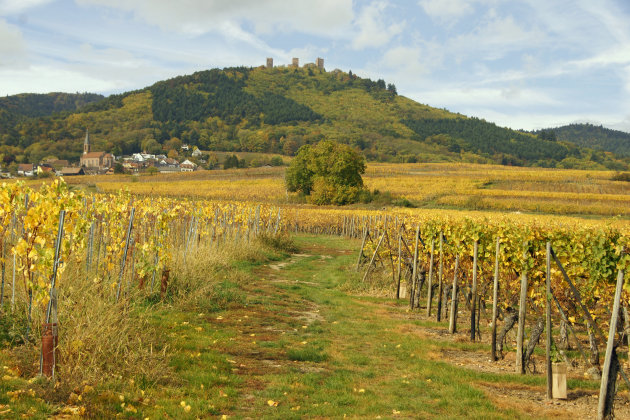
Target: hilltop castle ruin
295 62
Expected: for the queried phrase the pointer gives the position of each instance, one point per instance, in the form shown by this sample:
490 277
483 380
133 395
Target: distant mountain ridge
595 137
277 110
30 105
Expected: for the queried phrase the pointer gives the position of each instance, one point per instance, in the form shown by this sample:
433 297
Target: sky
524 64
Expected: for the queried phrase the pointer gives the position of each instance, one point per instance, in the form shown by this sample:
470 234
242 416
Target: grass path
301 347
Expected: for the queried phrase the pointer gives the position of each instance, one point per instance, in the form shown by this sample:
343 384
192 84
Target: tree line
487 139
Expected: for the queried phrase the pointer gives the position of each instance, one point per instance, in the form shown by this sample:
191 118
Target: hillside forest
278 110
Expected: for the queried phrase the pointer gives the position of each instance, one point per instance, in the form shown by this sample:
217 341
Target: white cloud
623 125
12 46
618 55
536 121
373 31
610 18
109 57
42 79
404 62
17 6
446 10
495 36
489 97
324 18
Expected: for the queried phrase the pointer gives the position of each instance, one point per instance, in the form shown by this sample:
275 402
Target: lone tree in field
329 173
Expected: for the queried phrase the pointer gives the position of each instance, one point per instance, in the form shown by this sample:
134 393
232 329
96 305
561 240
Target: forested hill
29 105
595 137
278 110
17 110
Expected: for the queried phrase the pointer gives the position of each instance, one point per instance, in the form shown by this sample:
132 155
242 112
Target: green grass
309 354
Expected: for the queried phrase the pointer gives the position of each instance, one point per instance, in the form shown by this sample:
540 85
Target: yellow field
489 187
452 185
258 184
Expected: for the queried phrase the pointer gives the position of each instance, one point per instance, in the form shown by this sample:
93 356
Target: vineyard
510 265
54 240
64 249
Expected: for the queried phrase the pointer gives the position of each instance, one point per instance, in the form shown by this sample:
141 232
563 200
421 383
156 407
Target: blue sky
523 63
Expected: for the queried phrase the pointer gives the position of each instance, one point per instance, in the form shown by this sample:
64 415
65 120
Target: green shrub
329 172
276 161
281 242
12 326
622 176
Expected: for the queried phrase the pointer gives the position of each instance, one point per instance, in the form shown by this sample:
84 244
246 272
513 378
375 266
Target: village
104 163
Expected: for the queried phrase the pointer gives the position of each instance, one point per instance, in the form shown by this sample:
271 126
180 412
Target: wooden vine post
430 289
367 272
522 307
13 233
365 235
548 324
124 260
391 259
440 282
452 326
415 269
399 265
2 259
495 297
473 309
47 359
611 363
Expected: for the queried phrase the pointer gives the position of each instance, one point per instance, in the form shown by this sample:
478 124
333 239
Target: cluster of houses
141 161
103 163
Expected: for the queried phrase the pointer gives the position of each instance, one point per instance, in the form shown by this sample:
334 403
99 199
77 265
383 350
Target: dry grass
199 279
102 341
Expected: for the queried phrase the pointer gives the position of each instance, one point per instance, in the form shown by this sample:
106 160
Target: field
216 294
448 186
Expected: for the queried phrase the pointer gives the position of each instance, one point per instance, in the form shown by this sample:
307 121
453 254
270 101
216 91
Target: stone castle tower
295 62
86 142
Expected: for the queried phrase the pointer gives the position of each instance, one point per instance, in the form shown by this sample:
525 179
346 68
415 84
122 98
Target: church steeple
86 142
